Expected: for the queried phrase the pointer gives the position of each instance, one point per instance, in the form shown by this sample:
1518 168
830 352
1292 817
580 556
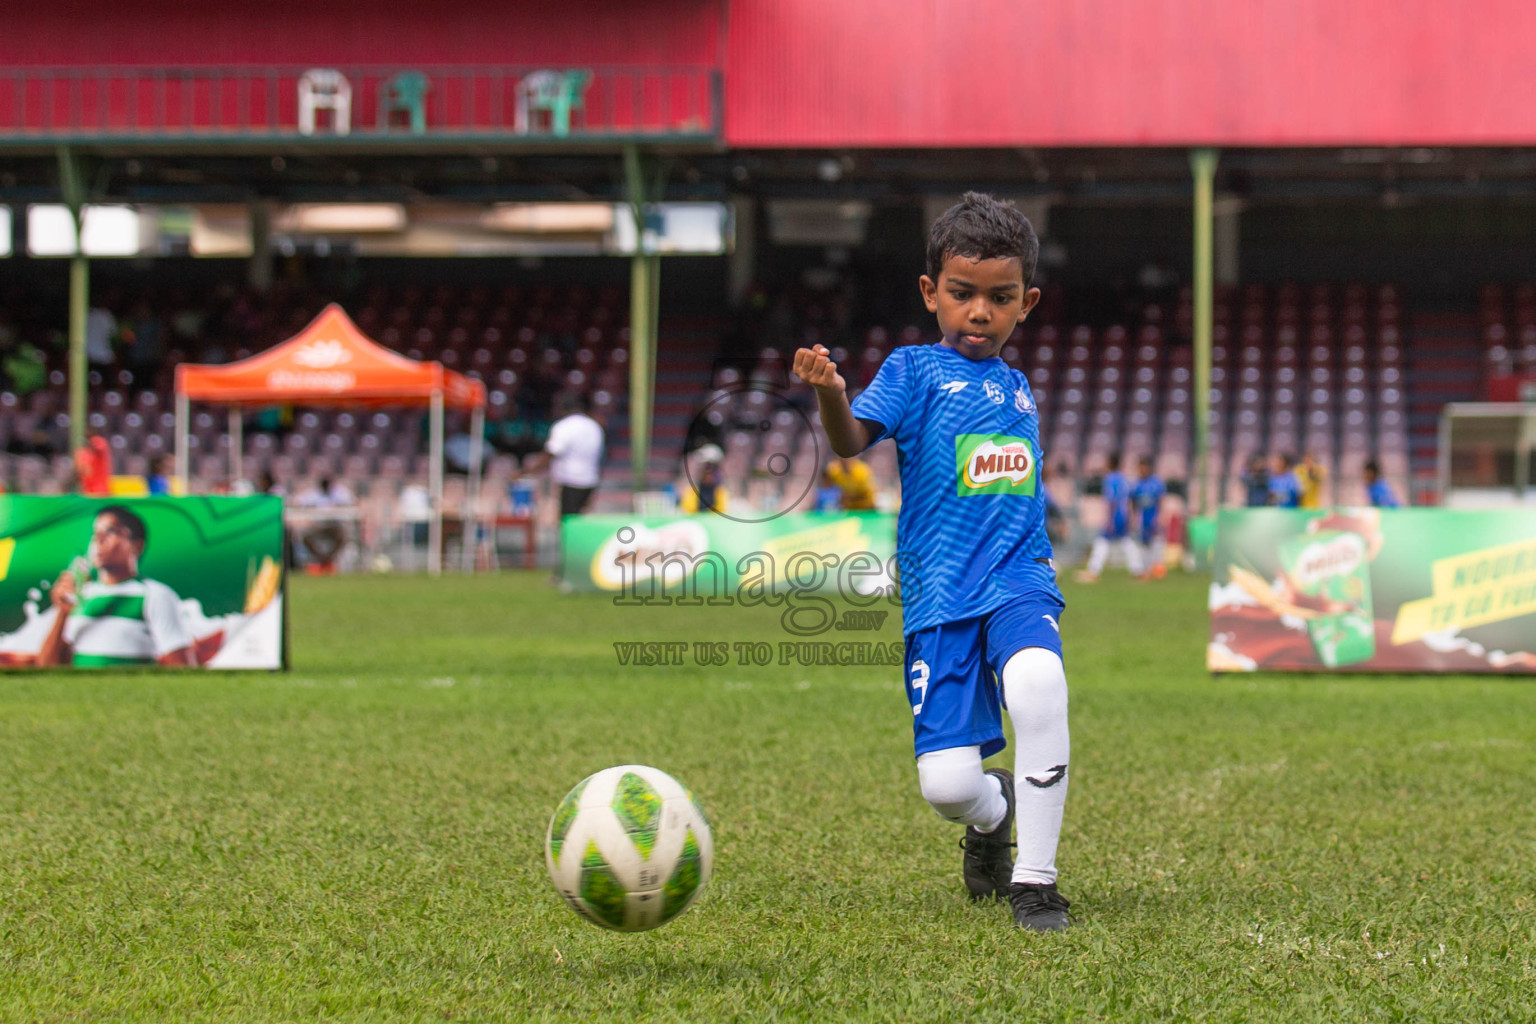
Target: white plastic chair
325 89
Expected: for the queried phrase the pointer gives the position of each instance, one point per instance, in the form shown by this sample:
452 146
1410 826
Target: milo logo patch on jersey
994 464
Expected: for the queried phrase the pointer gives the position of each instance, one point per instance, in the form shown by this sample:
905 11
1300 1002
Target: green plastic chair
407 92
557 92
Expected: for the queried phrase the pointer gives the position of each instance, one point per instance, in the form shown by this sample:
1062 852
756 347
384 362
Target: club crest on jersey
994 391
1022 403
994 464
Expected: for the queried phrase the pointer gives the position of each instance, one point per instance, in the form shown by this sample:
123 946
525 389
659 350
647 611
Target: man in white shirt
574 454
323 539
106 614
100 327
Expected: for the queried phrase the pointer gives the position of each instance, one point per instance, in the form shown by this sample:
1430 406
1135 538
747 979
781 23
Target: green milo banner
175 582
1374 590
636 557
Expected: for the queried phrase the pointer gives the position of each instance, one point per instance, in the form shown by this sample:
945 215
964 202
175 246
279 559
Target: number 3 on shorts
919 686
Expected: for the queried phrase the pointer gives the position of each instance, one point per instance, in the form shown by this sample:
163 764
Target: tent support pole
435 485
182 425
236 443
472 516
1203 163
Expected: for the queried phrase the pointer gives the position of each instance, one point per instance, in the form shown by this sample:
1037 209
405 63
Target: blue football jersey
1117 502
1146 494
971 533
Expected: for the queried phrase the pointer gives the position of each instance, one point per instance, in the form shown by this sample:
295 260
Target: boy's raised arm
845 433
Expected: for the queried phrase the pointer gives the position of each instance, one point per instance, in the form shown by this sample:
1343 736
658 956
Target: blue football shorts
954 672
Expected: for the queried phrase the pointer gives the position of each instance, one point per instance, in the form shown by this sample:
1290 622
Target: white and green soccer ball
629 848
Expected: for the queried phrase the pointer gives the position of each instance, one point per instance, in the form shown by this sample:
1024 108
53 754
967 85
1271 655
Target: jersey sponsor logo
1021 402
994 391
994 464
954 387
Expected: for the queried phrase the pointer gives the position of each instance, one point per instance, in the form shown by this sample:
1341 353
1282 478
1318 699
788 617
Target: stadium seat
325 89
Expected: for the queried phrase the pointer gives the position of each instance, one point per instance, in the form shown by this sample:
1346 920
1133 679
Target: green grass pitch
361 839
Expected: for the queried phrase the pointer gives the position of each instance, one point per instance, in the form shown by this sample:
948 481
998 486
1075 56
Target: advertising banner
119 582
1374 590
628 556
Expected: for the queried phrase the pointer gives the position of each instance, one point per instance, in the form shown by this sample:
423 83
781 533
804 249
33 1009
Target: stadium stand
1337 370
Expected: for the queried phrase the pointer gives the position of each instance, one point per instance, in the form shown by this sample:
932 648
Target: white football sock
1098 556
955 786
1133 557
1035 686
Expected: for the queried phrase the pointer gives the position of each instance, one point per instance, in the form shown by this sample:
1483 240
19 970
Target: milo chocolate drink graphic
1332 578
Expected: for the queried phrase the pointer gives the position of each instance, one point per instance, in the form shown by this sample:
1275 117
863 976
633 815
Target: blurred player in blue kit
1284 485
1377 490
981 610
1117 526
1146 501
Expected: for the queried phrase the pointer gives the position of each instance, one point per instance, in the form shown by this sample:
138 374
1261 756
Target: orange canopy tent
333 363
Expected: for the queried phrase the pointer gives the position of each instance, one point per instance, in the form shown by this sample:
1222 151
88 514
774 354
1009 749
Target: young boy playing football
1147 500
981 611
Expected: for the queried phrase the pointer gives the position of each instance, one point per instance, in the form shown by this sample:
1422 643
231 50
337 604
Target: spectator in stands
1377 490
573 453
186 319
857 482
26 369
1310 476
1256 483
93 465
266 483
145 337
708 493
829 496
324 539
36 443
1284 487
160 476
100 333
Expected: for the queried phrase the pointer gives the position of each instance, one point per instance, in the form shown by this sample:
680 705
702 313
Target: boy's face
978 303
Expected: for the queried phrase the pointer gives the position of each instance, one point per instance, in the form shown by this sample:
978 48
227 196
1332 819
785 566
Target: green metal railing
361 103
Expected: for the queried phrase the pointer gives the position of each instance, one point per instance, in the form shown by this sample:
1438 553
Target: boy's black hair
128 520
1115 459
1372 466
980 227
1144 462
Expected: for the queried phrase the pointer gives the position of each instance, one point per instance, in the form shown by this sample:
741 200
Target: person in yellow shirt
709 493
1311 474
857 483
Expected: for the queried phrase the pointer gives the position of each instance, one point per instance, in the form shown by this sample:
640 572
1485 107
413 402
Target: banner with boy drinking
121 583
1378 590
